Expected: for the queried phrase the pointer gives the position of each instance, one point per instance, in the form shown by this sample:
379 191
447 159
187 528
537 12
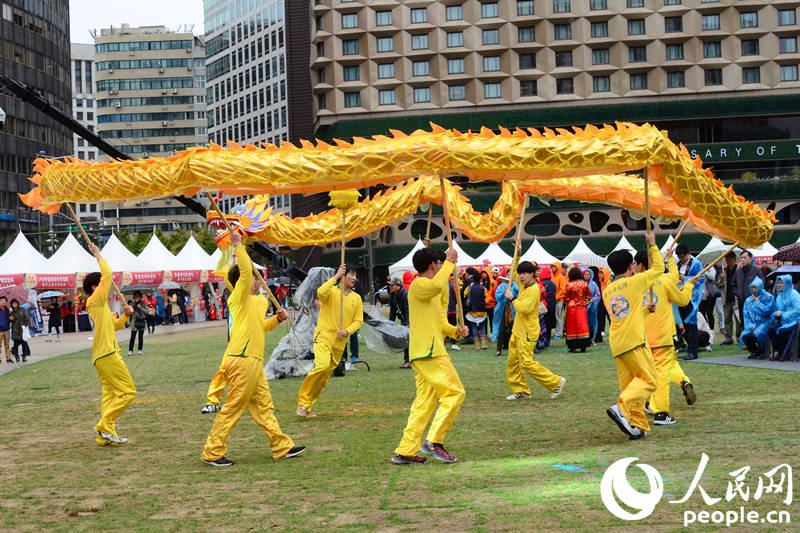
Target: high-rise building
720 75
246 71
150 86
34 49
84 111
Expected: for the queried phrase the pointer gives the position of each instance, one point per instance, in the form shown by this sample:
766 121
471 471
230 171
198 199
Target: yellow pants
636 371
326 360
247 389
520 360
118 392
216 388
435 377
667 369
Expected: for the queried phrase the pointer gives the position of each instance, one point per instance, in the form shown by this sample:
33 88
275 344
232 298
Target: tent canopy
405 263
623 244
494 255
193 257
464 259
537 254
22 258
583 255
667 244
712 250
156 254
764 253
120 259
71 257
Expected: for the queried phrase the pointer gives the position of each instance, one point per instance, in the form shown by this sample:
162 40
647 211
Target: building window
712 49
675 79
713 76
454 39
673 24
421 68
635 3
419 42
561 6
491 64
526 35
527 61
352 99
524 7
489 10
788 72
492 90
638 82
788 45
454 13
80 141
564 59
455 66
601 84
527 88
672 2
600 29
457 92
320 23
386 70
786 17
419 15
748 20
636 27
320 49
674 52
565 86
320 75
562 32
710 22
386 97
350 47
637 54
598 5
385 44
751 75
351 73
750 47
383 18
422 95
600 56
491 37
350 20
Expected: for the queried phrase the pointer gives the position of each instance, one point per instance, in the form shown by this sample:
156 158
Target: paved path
75 342
742 360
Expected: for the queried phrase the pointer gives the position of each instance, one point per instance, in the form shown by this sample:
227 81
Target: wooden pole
428 229
518 239
88 242
680 232
259 277
717 260
456 284
647 221
341 291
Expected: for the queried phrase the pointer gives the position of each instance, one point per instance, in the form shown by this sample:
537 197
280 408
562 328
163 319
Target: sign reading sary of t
746 151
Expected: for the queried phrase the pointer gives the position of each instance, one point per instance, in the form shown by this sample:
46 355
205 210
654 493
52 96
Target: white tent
120 259
623 244
494 255
763 254
464 259
537 254
156 254
22 258
667 244
583 255
405 263
193 257
71 257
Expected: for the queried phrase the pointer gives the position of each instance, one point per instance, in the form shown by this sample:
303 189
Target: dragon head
247 218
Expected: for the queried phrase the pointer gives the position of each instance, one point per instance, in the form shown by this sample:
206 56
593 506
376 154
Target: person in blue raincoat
161 313
504 315
688 267
758 311
785 316
591 308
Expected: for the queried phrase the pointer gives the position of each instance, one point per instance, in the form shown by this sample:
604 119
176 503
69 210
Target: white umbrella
583 255
713 249
537 254
494 255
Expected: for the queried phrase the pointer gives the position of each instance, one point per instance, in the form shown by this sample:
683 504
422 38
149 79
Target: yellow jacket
622 298
660 325
427 318
329 294
526 304
105 325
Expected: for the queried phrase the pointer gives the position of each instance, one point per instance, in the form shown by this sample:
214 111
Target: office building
84 111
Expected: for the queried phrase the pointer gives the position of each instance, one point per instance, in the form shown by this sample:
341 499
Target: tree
205 238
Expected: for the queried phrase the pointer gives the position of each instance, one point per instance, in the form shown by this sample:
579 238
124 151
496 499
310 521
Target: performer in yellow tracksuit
118 388
217 386
525 334
434 373
329 339
660 328
243 367
634 360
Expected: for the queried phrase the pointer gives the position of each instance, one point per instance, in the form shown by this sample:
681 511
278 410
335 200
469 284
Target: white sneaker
455 347
558 389
130 353
140 352
110 437
302 410
638 433
616 415
518 396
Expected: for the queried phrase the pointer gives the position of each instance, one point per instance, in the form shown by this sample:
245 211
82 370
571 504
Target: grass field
53 476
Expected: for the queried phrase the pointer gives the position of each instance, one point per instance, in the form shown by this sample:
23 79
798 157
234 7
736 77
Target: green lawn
54 477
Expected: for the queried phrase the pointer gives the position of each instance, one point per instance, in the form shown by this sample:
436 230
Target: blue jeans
477 330
353 348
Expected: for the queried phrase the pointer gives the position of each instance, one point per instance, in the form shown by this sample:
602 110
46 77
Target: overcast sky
85 15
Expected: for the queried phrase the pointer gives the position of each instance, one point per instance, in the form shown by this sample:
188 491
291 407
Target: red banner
50 281
142 278
12 279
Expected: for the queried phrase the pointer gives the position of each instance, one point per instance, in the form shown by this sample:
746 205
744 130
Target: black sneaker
663 419
437 451
222 461
637 433
689 357
297 450
408 459
208 408
688 392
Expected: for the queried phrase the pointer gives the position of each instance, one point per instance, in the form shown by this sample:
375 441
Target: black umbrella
792 270
788 253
